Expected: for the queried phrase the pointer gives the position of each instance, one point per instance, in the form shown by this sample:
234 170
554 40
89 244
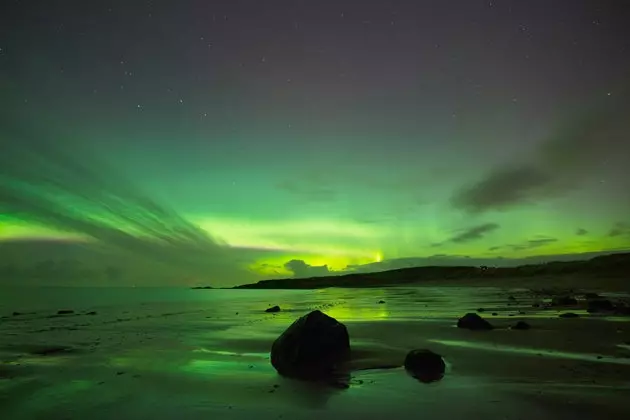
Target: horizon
193 145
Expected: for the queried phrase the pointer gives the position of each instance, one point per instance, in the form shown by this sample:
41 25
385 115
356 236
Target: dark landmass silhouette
605 266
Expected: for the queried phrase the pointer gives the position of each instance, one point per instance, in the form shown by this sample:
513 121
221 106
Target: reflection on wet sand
210 357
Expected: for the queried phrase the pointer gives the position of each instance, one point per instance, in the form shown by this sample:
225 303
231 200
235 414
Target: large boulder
472 321
315 346
425 365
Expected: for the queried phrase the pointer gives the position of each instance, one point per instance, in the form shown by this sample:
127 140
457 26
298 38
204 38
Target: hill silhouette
605 266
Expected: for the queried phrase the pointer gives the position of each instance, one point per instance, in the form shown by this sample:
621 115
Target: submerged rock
425 365
472 321
521 325
314 347
273 309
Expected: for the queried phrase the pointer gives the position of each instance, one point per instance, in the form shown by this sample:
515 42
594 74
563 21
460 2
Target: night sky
244 139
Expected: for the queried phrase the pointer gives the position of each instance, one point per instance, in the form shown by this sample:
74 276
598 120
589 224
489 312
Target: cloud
581 232
474 233
530 244
42 183
620 229
299 268
503 188
596 140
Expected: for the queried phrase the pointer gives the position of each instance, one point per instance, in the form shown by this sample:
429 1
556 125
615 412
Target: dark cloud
503 188
581 232
474 233
620 229
530 244
299 268
596 141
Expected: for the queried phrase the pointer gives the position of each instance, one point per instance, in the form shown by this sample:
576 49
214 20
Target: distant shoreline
607 271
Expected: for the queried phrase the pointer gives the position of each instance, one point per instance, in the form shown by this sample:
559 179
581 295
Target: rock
569 315
313 347
425 365
50 350
381 302
65 312
521 325
480 310
622 310
511 298
600 305
563 301
91 313
494 314
17 313
273 309
472 321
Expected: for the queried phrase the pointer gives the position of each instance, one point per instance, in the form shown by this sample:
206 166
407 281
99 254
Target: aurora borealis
239 140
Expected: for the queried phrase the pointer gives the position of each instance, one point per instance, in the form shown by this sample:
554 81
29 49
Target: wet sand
196 359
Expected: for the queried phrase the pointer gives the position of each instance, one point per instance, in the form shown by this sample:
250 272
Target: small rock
65 312
569 315
425 365
91 313
600 305
273 309
521 325
622 310
120 373
17 313
494 314
563 301
472 321
480 310
381 302
511 298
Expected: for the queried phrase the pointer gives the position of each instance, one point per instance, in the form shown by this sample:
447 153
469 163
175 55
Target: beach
180 353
